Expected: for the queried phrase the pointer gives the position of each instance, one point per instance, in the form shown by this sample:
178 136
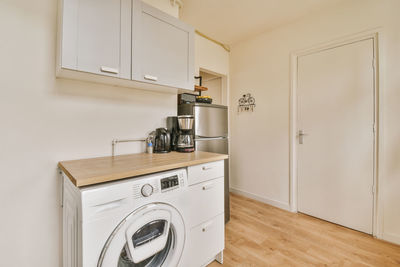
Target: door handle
109 70
150 78
301 136
198 139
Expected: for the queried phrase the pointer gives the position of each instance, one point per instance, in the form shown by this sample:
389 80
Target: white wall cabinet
163 48
96 37
127 42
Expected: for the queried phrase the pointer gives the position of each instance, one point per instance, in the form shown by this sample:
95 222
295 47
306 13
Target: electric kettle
162 141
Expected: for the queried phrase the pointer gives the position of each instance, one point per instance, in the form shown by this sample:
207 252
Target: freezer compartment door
215 145
211 121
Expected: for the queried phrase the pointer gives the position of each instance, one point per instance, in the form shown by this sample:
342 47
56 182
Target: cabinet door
97 36
204 242
163 48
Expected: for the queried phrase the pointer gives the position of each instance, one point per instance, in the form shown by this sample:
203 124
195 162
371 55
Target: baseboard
275 203
392 238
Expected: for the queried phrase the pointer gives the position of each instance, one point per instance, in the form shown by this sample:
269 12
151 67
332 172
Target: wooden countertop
92 171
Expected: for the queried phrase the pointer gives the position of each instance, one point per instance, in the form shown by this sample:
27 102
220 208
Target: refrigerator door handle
205 138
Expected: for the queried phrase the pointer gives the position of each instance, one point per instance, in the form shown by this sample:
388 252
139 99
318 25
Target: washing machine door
153 235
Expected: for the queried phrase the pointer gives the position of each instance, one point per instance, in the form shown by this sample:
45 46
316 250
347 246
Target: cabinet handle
109 70
208 186
206 226
205 168
150 78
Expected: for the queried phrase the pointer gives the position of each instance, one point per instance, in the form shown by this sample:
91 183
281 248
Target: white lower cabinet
205 209
206 241
206 201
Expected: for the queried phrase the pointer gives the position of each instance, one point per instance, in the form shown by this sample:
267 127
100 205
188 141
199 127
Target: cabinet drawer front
206 200
205 172
205 242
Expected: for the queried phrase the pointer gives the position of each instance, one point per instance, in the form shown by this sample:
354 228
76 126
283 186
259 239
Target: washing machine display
169 182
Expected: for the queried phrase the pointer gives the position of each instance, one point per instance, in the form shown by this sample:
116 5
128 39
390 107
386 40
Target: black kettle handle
168 141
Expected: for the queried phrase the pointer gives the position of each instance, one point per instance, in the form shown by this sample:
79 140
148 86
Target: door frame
374 34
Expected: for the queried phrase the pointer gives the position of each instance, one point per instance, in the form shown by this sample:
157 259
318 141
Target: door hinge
373 189
374 127
373 63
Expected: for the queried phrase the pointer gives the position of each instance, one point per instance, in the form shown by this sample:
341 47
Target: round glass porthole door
153 235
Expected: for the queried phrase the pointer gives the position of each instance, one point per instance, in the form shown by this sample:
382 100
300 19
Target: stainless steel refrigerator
211 134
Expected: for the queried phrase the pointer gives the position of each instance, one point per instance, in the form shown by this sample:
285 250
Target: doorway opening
217 85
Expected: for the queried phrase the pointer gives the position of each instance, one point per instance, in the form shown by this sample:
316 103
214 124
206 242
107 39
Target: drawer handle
205 168
208 186
150 78
206 226
109 70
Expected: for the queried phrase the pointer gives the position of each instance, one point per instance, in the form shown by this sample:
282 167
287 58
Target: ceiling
230 21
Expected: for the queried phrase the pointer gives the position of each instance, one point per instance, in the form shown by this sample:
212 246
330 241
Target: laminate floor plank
262 235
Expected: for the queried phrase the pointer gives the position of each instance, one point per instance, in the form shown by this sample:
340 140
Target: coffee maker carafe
181 128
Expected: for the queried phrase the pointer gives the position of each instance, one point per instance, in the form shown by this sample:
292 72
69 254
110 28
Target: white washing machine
129 223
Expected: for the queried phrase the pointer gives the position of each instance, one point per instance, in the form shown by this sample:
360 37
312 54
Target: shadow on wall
110 93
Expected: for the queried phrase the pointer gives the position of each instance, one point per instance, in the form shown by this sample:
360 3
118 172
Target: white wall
214 85
214 59
261 66
210 56
214 90
44 120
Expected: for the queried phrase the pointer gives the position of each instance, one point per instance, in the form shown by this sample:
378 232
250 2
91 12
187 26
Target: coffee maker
181 129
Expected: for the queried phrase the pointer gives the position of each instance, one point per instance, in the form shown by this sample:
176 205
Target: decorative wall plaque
247 103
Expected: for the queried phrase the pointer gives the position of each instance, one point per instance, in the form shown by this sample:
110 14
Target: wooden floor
262 235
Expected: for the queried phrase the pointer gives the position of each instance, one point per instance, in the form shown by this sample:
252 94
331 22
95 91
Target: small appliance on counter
186 98
162 141
173 129
185 141
181 128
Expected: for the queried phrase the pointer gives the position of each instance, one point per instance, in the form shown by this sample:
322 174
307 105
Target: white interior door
336 114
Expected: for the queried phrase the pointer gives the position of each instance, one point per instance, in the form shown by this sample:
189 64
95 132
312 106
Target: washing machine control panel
169 182
151 185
